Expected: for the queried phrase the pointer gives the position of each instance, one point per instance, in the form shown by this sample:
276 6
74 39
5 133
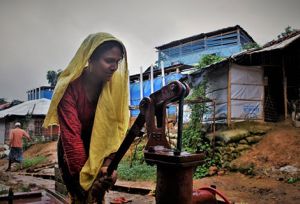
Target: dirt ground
46 149
277 155
268 182
244 189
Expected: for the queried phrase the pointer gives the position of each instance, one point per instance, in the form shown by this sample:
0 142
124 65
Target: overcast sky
40 35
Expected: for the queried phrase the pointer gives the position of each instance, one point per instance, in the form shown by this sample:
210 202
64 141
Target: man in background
16 145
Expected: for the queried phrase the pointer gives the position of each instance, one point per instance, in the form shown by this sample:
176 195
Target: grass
137 172
29 162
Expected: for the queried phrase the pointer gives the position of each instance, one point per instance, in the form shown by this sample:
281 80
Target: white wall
247 92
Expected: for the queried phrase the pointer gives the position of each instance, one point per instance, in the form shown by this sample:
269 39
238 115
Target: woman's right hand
103 183
103 173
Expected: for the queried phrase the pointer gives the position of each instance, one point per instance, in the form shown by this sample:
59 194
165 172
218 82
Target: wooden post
284 89
141 84
229 97
264 96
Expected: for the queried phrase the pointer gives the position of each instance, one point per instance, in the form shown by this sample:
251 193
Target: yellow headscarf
112 113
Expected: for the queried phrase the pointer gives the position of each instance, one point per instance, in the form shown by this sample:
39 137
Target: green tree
288 30
251 45
52 76
208 60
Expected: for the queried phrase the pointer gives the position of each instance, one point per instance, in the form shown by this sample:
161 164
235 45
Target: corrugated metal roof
34 107
270 46
279 45
202 35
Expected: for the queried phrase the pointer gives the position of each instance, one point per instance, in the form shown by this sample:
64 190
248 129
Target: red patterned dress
76 116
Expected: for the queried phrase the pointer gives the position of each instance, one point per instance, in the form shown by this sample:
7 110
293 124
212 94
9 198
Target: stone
225 157
289 169
225 164
243 141
230 136
242 147
234 145
259 129
253 139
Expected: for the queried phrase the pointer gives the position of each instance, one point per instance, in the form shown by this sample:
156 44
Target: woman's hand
103 183
103 173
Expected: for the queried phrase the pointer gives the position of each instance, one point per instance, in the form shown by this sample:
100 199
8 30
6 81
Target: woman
90 103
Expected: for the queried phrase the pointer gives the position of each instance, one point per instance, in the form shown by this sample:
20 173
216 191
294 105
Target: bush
194 134
194 140
208 60
137 172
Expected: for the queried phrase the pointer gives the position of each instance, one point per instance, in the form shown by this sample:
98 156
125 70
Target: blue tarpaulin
157 84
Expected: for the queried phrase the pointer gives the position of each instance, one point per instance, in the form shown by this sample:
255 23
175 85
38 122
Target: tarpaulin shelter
258 84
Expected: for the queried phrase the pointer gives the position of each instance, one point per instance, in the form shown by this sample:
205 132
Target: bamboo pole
229 97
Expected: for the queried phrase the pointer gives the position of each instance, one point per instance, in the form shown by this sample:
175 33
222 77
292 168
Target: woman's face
107 64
